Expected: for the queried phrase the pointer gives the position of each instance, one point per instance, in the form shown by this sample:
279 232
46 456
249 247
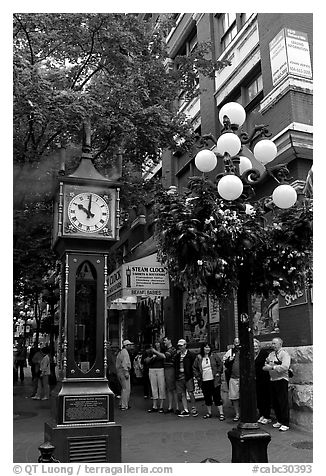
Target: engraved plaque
88 408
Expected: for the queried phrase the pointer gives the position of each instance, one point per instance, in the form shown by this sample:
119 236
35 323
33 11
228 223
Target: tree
206 241
107 69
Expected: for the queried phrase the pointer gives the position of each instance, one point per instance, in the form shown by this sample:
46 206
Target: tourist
208 369
231 360
123 365
263 391
185 378
155 362
278 364
43 387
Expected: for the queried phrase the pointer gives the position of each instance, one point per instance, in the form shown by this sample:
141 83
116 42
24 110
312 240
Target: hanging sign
289 300
289 54
145 277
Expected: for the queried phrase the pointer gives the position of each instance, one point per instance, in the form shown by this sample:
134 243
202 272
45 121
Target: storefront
201 320
136 293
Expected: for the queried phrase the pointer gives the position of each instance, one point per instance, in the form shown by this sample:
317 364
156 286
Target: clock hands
88 212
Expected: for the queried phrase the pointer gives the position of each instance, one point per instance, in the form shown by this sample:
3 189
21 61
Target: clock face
88 212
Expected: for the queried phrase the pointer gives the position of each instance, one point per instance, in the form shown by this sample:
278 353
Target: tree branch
27 37
77 76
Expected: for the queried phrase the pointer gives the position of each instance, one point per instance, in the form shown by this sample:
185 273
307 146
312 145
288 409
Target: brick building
271 76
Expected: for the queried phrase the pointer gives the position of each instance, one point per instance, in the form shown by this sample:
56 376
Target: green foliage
32 252
107 68
205 241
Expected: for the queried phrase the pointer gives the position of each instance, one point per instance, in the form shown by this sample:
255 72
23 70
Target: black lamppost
236 187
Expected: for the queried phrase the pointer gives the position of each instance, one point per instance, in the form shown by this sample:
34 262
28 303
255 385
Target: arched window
85 316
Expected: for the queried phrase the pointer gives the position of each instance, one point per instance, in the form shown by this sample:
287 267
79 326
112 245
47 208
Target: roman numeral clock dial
88 212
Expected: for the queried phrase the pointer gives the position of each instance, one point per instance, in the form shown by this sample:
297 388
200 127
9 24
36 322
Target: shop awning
126 303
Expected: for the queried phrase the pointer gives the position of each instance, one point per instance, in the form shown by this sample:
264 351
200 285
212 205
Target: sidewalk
155 438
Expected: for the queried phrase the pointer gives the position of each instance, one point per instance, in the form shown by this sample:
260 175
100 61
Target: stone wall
300 387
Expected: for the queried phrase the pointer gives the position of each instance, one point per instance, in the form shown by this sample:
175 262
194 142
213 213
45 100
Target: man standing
34 359
123 371
231 361
21 356
185 378
278 364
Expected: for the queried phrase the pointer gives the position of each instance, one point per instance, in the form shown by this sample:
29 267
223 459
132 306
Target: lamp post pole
235 186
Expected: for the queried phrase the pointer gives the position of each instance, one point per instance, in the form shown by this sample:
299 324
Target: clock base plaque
83 428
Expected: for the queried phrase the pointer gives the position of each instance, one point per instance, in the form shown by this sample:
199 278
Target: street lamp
236 186
25 318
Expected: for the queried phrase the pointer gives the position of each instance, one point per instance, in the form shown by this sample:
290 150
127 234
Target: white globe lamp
245 164
228 142
284 196
265 151
230 187
235 113
205 161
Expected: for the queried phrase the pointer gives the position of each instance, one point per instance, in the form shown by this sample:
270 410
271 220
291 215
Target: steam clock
86 224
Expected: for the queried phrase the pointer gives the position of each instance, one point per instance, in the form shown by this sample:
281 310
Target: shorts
234 389
169 374
184 386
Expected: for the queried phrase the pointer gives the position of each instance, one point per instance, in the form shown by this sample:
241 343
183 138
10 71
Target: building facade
270 74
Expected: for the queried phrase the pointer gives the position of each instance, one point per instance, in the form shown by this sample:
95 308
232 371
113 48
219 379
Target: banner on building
289 54
144 278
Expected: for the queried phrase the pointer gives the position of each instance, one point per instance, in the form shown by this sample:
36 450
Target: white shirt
207 369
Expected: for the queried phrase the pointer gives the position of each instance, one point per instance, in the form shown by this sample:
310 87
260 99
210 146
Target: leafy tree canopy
109 69
205 241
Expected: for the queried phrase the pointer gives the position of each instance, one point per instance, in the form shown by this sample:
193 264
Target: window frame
227 32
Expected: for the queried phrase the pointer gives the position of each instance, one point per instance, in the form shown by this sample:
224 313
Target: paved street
155 438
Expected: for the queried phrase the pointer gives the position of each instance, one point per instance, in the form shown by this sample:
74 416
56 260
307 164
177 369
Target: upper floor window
228 28
189 45
244 17
254 88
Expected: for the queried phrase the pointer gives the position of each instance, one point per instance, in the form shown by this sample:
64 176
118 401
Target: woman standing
208 369
155 364
262 384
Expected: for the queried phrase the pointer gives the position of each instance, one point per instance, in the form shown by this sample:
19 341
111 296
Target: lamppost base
249 445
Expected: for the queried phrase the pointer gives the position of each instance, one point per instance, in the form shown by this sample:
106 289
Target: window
189 45
187 48
254 88
244 17
228 28
227 21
